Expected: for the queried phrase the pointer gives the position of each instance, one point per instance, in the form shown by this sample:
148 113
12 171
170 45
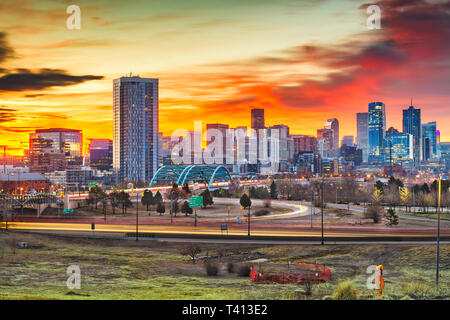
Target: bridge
195 173
11 201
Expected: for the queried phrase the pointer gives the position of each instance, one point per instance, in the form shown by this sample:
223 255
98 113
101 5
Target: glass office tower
412 125
377 131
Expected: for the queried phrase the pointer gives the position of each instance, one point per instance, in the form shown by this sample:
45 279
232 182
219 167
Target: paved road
404 216
234 230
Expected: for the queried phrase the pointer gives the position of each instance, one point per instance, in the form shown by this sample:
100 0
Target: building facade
55 149
101 154
429 141
135 144
362 138
412 125
377 131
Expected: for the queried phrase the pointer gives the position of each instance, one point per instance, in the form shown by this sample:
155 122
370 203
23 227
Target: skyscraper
377 131
101 153
348 141
135 128
333 125
429 143
222 129
398 149
362 139
326 144
412 125
55 149
258 119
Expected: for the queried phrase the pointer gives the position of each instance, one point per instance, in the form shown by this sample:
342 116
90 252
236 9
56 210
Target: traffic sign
223 227
195 202
94 184
68 211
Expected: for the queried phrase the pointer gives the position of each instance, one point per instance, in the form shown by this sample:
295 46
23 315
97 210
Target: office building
399 149
101 154
257 119
429 141
412 125
348 141
362 138
55 149
377 132
333 125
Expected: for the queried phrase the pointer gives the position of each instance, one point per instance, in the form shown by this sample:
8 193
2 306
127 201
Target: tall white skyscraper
362 138
135 128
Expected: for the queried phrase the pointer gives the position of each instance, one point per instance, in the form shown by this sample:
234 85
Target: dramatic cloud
5 50
7 114
25 79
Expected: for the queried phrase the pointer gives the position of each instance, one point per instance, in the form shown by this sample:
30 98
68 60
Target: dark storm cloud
25 79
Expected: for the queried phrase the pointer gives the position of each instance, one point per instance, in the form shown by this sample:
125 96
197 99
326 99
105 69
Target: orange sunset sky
302 61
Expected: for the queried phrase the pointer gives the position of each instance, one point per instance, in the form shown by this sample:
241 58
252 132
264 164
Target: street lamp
438 229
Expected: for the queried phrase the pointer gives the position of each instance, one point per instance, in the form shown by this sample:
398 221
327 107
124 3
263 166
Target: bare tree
191 250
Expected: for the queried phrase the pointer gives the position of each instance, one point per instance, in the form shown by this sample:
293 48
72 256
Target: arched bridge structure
194 173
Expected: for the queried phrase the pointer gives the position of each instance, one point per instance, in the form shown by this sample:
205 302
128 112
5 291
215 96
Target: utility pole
322 207
248 221
137 216
438 230
312 205
390 154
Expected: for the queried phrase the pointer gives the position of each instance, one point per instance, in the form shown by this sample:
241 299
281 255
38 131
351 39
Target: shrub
261 213
230 267
243 270
416 290
212 269
345 291
374 212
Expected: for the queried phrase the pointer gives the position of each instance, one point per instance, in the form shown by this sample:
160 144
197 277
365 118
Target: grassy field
114 269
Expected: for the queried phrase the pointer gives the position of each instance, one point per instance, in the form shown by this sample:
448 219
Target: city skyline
300 77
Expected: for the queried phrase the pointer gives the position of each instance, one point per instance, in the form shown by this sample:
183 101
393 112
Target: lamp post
322 208
312 206
137 216
438 229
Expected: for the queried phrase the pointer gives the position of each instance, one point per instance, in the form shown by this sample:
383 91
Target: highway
235 231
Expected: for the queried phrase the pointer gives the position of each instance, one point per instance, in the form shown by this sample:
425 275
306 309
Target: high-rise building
101 153
377 131
55 149
135 117
429 141
258 119
362 138
412 125
211 136
398 149
326 146
281 135
348 141
304 143
444 151
333 125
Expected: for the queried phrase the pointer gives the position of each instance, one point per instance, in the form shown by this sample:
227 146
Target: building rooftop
22 177
57 130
